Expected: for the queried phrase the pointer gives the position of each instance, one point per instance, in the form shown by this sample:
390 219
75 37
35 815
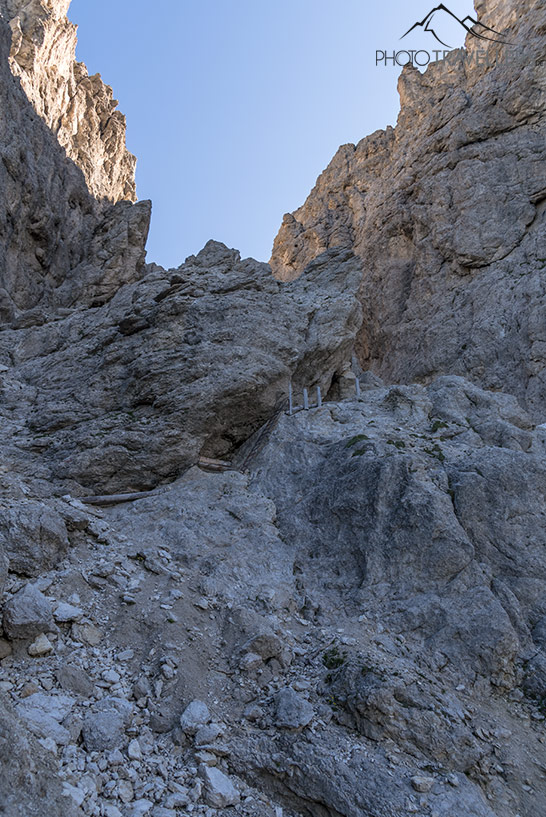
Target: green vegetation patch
358 439
436 451
333 658
437 425
400 444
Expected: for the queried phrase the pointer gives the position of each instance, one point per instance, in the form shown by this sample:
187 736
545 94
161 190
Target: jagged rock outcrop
79 109
58 245
447 213
185 362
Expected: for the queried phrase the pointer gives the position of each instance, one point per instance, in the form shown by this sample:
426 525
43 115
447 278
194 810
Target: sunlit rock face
447 214
63 240
80 109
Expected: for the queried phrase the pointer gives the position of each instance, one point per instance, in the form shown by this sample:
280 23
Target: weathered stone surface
200 356
362 597
29 777
27 614
219 790
231 519
427 512
291 710
450 229
195 715
104 726
376 534
4 565
535 677
57 242
80 110
360 784
32 535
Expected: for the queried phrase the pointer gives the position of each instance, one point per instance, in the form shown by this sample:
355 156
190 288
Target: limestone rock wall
58 244
184 362
447 213
80 109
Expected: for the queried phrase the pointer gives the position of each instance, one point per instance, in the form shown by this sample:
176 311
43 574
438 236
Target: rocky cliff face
348 616
59 245
447 214
182 363
79 109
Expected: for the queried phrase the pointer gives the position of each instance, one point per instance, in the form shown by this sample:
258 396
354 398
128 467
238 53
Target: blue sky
234 107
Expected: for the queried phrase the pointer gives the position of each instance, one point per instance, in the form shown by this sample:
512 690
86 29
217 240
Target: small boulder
208 734
112 811
162 717
65 613
76 680
141 807
28 614
291 710
266 645
422 784
33 535
142 688
104 726
251 661
76 794
45 714
194 717
134 751
40 646
219 790
178 800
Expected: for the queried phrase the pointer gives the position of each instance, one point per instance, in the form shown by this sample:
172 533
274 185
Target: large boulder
28 614
186 362
33 536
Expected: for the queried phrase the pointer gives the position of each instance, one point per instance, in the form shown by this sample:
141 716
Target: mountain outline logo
468 23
